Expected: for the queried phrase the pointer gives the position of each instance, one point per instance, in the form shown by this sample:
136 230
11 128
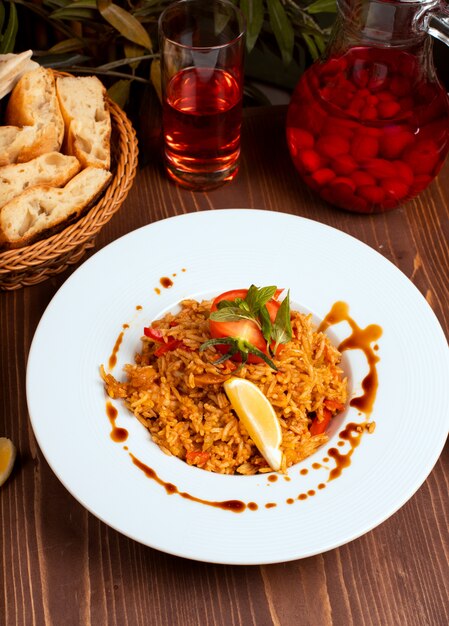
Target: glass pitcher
368 125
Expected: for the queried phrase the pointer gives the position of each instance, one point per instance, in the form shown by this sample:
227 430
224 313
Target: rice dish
177 393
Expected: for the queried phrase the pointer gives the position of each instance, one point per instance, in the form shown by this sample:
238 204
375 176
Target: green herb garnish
253 308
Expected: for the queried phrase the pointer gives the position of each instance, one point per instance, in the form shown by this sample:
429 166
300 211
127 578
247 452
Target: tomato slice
245 329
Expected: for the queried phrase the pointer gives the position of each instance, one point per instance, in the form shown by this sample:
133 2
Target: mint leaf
267 327
257 298
232 314
282 327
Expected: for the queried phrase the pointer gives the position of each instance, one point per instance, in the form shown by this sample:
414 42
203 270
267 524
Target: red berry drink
202 119
366 130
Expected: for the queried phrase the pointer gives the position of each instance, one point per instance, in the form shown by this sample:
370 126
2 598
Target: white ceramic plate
204 254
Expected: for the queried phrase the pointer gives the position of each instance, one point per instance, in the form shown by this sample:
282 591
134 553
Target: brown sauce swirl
359 339
353 434
112 361
117 434
235 506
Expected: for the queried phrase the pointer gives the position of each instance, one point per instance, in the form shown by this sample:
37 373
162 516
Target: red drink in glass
202 48
202 120
367 130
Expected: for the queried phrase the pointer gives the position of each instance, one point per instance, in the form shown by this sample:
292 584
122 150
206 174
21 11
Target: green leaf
126 24
75 12
282 29
282 327
131 51
155 75
68 45
253 10
119 92
8 38
257 298
236 345
2 17
228 303
322 6
311 46
231 314
267 326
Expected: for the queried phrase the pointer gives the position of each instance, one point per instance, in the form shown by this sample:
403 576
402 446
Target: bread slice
53 169
87 119
33 103
42 210
15 142
12 68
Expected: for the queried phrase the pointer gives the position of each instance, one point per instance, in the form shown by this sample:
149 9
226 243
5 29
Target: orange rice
179 395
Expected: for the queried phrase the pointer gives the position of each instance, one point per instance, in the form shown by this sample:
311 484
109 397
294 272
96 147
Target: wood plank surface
61 566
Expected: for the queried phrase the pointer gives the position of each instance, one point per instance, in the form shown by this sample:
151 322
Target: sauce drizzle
117 434
236 506
361 339
353 434
112 362
166 282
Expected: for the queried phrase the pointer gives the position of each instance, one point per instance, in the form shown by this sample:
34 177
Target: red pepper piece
170 345
153 333
318 427
196 457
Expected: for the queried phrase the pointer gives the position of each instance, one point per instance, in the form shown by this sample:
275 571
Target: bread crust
52 168
32 105
43 210
87 120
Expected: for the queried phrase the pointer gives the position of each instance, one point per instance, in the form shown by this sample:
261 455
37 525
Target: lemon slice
7 458
257 415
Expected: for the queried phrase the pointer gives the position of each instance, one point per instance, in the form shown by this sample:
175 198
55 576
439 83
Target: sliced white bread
12 67
53 169
87 119
42 210
15 142
33 103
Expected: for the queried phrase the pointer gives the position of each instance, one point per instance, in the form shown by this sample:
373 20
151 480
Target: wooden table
62 566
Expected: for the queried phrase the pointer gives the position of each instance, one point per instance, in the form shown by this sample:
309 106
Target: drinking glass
202 53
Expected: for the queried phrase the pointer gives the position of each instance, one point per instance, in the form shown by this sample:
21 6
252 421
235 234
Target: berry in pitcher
366 130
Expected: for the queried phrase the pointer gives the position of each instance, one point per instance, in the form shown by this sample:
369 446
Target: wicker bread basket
34 263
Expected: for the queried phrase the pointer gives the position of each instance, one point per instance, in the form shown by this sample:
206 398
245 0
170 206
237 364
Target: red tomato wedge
244 329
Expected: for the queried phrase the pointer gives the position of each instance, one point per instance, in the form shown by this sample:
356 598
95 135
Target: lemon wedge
7 458
258 416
